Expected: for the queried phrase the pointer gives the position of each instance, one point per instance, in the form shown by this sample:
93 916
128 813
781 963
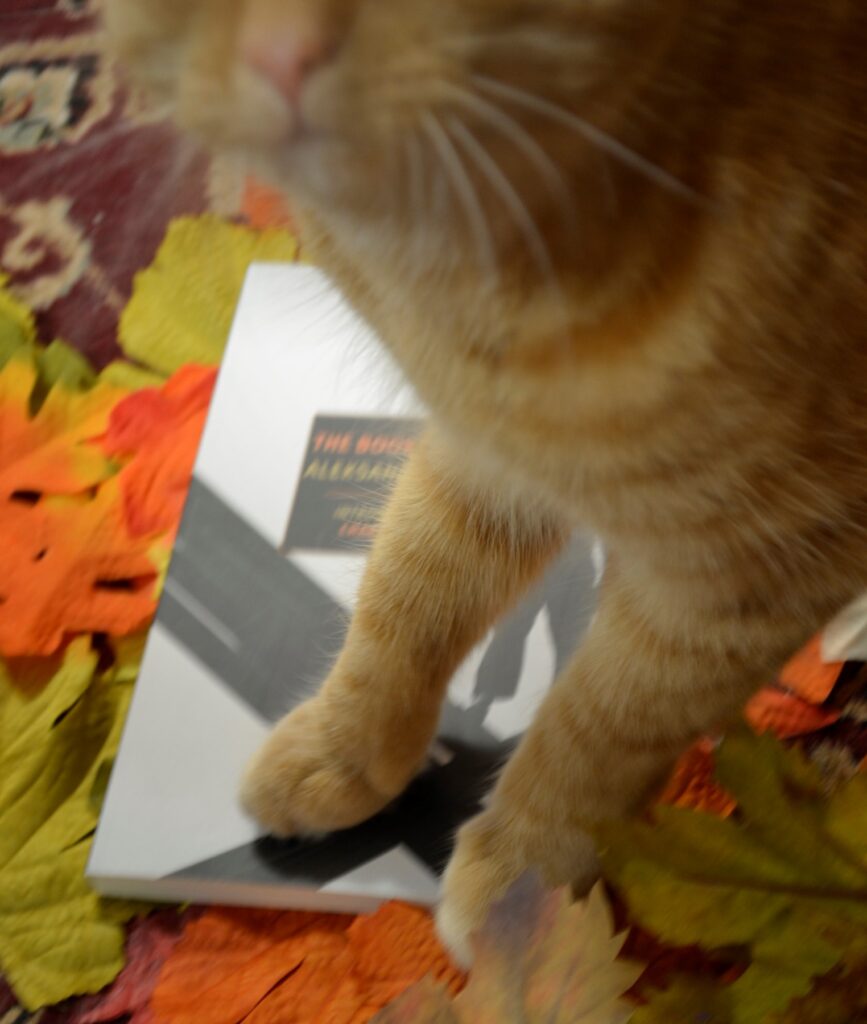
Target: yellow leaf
50 452
540 959
57 937
182 305
17 326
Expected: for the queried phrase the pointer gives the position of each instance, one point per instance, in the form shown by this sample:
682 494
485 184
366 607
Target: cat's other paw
305 780
493 850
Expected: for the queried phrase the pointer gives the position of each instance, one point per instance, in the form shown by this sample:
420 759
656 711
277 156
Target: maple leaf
182 305
808 675
540 959
786 715
17 324
687 1001
786 879
67 566
294 967
57 937
840 997
265 207
158 431
51 452
693 786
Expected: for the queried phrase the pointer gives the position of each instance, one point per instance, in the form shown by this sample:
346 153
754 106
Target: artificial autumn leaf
255 950
50 452
692 784
67 566
540 958
288 967
130 377
158 430
807 675
61 364
396 946
149 942
57 937
786 879
786 715
265 207
838 998
17 325
687 1001
182 305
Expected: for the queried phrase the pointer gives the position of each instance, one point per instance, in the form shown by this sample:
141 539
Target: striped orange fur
620 250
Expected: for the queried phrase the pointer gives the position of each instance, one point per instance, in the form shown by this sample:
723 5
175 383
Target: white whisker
544 42
415 163
518 135
592 134
506 191
464 189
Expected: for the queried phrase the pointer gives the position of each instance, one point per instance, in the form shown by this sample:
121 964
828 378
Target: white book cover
306 431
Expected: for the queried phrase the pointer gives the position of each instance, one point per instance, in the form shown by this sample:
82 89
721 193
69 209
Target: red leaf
692 783
149 942
158 430
784 714
808 676
292 968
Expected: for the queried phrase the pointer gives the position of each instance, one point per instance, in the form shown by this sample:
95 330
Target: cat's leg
451 555
648 679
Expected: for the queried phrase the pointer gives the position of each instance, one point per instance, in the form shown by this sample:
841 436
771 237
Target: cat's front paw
493 850
304 780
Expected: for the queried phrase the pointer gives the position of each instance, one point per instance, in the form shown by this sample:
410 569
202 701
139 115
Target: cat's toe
299 783
493 851
483 866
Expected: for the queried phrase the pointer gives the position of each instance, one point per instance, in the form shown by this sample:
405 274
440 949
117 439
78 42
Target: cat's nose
284 58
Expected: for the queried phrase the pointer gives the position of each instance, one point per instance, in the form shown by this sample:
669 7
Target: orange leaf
395 947
51 452
68 566
159 431
785 715
255 950
265 207
321 988
808 676
294 968
692 784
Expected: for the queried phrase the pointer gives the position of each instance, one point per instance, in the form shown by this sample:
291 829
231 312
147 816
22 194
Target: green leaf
57 937
121 374
785 878
540 959
59 363
838 998
17 326
687 1001
182 305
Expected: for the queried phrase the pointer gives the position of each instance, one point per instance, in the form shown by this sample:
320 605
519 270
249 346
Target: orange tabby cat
620 249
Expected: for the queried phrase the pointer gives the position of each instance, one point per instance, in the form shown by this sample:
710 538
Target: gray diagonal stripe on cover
256 620
424 820
269 632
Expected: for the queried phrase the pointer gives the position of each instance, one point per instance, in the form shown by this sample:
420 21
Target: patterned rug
88 180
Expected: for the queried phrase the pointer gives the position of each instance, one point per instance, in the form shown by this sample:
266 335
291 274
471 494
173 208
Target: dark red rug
88 179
